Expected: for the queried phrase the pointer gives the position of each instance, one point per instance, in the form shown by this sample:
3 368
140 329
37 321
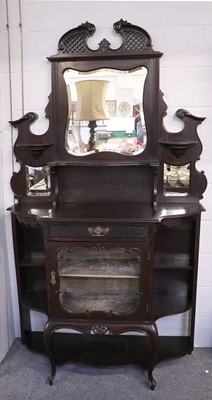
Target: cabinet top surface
105 212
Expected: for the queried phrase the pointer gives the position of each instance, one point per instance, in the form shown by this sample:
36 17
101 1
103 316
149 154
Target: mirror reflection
105 111
38 181
176 180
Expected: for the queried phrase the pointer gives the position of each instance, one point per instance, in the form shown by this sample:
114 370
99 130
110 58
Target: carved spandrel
100 330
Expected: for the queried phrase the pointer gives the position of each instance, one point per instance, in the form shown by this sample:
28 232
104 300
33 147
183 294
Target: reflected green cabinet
106 221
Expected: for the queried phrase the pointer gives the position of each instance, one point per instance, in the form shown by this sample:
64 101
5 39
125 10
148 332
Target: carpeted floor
24 375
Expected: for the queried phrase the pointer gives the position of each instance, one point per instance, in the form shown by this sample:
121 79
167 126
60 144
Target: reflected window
105 111
176 180
38 181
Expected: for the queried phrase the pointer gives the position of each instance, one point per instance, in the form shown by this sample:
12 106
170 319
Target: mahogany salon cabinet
106 219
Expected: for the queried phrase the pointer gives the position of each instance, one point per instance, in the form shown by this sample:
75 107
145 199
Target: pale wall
181 30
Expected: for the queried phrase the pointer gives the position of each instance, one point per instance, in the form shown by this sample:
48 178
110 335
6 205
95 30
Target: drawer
101 230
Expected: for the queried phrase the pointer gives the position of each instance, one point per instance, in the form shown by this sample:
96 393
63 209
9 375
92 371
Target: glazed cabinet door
104 279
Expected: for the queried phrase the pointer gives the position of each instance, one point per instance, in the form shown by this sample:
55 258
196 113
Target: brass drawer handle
52 279
98 231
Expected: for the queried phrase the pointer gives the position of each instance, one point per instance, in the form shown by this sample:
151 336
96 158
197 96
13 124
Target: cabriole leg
47 339
151 380
152 331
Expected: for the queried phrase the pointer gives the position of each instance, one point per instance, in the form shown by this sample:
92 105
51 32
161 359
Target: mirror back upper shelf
106 109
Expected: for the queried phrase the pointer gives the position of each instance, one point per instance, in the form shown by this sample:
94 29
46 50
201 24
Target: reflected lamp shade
91 103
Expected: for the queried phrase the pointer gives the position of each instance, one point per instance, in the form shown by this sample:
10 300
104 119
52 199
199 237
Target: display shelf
33 259
173 260
118 303
165 304
35 300
96 275
170 265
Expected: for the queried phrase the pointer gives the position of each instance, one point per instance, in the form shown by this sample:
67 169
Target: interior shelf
33 259
165 304
98 276
35 300
110 302
173 261
99 266
168 265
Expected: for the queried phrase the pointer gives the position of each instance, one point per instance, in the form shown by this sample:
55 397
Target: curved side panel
18 182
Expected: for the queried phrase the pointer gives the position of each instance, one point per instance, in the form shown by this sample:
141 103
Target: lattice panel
105 188
134 41
74 43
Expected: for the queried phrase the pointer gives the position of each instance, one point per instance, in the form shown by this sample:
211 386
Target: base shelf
107 351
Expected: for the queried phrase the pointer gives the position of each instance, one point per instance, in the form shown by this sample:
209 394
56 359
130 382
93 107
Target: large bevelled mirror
105 111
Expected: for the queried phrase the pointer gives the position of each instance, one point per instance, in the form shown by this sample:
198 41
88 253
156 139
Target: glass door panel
99 280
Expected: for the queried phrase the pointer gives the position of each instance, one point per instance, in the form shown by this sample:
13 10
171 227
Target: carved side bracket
175 147
183 147
31 149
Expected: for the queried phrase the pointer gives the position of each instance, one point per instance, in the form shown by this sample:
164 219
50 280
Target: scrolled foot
51 381
151 381
52 376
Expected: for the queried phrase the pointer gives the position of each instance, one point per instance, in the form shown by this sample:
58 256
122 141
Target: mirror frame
135 51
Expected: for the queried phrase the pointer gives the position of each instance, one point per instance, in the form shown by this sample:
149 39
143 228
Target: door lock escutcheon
53 279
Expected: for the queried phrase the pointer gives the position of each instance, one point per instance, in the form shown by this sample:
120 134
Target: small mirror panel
38 181
105 111
176 180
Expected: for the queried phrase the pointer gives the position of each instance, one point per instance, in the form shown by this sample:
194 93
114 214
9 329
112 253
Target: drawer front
103 230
